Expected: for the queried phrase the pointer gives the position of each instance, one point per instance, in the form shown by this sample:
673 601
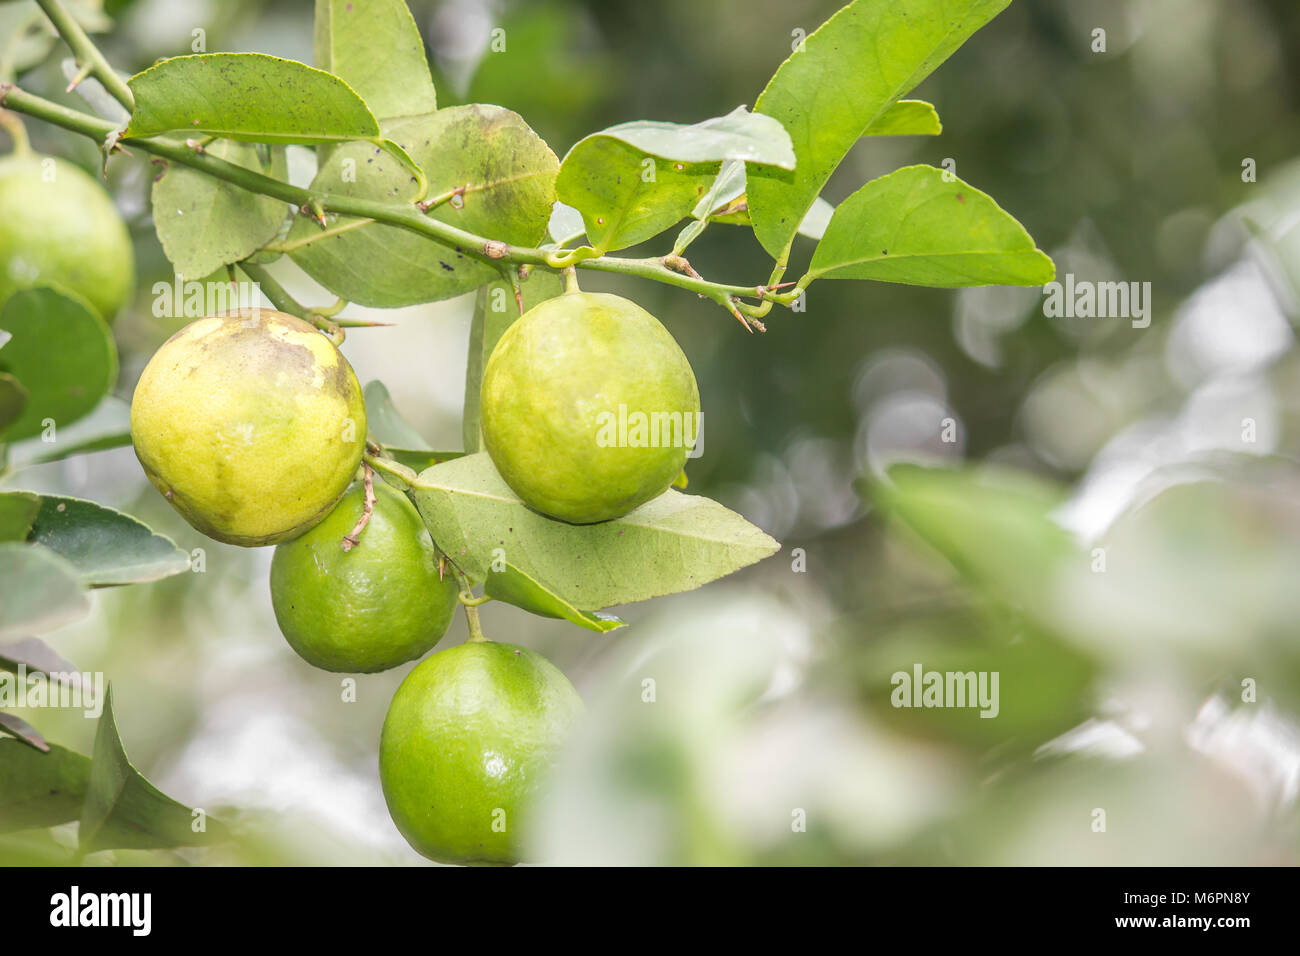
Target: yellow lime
589 407
370 608
468 738
251 424
59 227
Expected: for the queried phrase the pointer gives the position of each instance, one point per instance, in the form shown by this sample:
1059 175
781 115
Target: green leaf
247 96
205 223
22 730
375 46
41 591
740 135
123 810
495 310
674 543
509 177
107 426
105 546
994 526
62 353
35 655
626 196
13 398
400 441
515 587
848 74
919 226
40 789
907 118
17 511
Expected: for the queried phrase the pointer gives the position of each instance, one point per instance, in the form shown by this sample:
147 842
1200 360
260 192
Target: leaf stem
471 604
86 53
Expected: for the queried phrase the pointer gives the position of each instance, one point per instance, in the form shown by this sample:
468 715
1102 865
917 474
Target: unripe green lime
589 407
251 424
370 608
468 738
59 227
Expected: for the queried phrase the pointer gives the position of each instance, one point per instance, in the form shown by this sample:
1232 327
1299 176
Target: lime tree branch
89 59
406 216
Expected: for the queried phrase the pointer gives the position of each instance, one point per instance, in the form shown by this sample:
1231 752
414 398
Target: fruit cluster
253 425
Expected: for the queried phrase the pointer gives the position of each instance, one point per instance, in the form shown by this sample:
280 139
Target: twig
353 538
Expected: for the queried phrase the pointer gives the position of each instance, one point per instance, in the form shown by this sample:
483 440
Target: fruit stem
470 603
571 280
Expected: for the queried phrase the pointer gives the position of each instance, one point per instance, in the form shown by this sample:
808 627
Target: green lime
468 737
373 607
59 227
589 407
251 424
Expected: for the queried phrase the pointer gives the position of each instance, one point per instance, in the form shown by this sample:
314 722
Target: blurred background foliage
1162 691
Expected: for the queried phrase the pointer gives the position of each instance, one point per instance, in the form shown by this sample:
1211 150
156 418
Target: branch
88 57
405 216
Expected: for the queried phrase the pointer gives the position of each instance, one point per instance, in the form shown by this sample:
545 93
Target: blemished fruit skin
468 738
557 393
251 424
373 607
59 227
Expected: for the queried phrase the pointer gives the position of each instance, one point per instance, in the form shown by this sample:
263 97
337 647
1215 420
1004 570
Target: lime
251 424
59 227
589 407
373 607
468 737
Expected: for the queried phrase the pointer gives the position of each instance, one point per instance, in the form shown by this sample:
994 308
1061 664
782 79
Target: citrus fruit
373 607
468 736
251 424
588 407
59 227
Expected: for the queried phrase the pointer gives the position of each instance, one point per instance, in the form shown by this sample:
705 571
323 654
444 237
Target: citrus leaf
565 225
41 590
22 730
674 543
626 196
515 587
205 223
907 118
375 47
920 226
40 789
13 398
845 77
17 510
123 810
104 545
508 175
62 353
740 135
247 96
386 423
108 426
495 310
35 655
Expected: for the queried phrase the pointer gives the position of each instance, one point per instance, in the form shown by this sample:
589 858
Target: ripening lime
370 608
468 738
589 407
251 424
59 227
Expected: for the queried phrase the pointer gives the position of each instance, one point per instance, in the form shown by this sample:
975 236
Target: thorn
442 565
80 75
315 209
731 307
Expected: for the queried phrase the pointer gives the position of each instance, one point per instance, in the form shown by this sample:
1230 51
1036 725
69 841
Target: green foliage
674 543
513 586
42 590
399 439
376 48
105 546
40 789
61 352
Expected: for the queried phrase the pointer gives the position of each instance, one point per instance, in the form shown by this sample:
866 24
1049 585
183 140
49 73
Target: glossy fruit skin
59 227
371 608
468 737
552 386
251 424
